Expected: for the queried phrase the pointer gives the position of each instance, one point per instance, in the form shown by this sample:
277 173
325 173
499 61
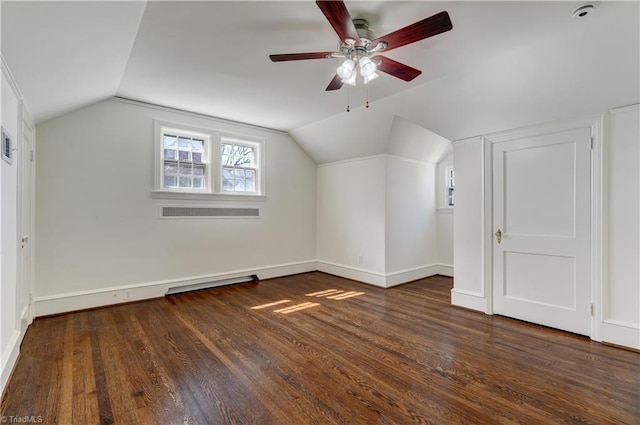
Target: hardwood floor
361 356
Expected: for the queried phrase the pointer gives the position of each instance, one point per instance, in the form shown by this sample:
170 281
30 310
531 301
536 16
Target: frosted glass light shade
367 67
371 77
346 70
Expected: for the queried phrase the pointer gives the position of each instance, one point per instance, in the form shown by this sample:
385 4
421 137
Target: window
450 186
239 172
197 163
183 161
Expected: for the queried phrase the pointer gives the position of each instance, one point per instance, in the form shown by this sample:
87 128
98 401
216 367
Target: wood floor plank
316 349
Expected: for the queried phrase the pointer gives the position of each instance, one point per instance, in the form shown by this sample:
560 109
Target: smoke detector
582 11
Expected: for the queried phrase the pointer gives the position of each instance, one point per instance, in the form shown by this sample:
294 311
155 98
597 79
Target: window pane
169 154
184 143
238 173
251 174
237 150
198 183
251 186
170 167
198 170
227 179
239 186
170 141
170 181
185 169
196 156
197 145
250 159
185 182
184 156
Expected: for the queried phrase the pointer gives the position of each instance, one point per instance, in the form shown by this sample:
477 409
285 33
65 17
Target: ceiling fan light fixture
351 80
371 77
347 70
367 67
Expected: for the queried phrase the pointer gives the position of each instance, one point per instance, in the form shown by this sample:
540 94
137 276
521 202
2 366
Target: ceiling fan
361 49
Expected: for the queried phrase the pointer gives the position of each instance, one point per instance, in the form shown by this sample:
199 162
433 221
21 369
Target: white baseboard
467 299
385 280
62 303
10 354
9 357
361 275
620 333
409 275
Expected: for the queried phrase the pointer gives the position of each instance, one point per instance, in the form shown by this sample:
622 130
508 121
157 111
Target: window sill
158 194
445 210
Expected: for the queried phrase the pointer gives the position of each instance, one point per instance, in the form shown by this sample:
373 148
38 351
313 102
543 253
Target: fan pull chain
348 102
366 105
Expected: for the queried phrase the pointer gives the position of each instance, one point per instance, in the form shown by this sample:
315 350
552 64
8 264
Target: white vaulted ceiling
504 64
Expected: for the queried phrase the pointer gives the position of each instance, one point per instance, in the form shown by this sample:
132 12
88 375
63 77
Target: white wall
351 219
99 230
445 216
377 220
621 286
411 219
468 240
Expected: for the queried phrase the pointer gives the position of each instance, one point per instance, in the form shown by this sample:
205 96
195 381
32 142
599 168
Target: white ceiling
504 64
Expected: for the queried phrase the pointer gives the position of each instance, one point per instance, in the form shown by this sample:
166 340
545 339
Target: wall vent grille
177 212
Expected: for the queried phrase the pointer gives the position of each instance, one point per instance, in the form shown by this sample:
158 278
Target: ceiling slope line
133 42
137 102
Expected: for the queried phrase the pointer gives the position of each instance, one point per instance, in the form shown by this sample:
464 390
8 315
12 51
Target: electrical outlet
126 295
360 259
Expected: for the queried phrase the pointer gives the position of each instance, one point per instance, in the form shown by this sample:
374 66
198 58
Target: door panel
542 270
532 208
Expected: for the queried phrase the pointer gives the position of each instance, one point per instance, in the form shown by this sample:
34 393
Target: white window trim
447 172
213 141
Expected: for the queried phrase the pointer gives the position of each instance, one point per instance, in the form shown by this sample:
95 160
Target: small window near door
450 181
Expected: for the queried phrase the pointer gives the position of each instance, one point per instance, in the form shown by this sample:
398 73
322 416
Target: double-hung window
184 161
239 166
198 163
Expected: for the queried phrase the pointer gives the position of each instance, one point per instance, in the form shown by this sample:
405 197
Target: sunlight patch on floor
324 293
296 307
330 294
345 295
258 307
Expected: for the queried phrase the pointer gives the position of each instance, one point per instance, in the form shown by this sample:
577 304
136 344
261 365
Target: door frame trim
596 125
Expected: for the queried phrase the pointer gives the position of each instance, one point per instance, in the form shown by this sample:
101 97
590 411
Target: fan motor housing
364 33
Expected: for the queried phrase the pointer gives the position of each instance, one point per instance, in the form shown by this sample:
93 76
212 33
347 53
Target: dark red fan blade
338 16
299 56
397 69
426 28
335 84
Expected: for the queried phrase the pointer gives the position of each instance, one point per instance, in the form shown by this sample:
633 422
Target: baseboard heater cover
212 284
177 212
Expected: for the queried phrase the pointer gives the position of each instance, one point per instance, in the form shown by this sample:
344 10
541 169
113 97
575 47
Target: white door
26 192
541 216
